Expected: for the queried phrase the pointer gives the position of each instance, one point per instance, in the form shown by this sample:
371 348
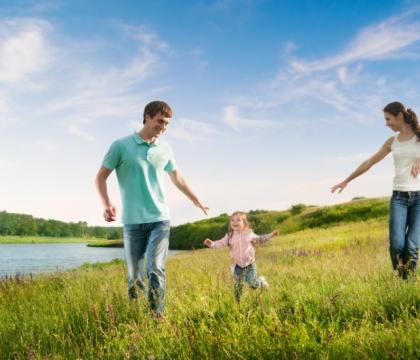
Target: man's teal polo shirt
140 171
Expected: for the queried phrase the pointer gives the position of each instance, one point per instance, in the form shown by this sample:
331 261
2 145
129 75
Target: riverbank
332 295
48 240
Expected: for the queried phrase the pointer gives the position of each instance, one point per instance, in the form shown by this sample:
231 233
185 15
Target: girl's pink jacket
241 246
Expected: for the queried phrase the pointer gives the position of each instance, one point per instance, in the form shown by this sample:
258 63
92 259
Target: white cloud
146 37
76 131
24 49
38 145
289 47
198 60
111 92
377 42
350 158
192 130
4 103
338 88
44 6
233 119
5 164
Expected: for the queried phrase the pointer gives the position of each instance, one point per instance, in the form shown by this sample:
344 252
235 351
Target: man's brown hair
155 107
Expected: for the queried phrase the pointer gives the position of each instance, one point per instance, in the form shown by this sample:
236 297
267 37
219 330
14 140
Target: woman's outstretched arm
366 165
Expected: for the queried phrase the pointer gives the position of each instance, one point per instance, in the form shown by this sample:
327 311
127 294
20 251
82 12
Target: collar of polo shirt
139 140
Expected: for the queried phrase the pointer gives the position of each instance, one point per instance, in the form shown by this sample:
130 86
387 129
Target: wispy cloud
350 158
198 58
101 92
192 130
37 65
44 6
76 131
380 41
234 120
5 164
38 145
24 49
338 86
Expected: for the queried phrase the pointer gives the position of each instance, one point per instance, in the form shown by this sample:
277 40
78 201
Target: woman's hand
208 243
340 186
415 169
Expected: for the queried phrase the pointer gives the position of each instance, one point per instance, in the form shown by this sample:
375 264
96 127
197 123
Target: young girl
240 239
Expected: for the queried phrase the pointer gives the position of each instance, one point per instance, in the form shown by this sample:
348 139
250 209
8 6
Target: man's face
157 124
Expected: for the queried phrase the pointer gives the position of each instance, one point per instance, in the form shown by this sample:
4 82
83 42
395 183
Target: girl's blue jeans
242 274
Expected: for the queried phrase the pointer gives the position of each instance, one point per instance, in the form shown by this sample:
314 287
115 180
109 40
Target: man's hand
201 206
340 186
208 243
110 213
181 184
415 169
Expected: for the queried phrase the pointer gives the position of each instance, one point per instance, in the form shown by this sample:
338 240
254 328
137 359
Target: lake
41 258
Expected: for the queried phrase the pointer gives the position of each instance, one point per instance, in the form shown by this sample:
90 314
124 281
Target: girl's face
236 222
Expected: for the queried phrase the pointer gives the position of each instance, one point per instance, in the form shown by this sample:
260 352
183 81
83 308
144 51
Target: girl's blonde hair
245 222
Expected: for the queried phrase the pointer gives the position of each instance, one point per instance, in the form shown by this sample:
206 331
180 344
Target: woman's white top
404 154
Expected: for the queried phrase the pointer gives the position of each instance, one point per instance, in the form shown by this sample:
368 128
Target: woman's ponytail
409 115
410 118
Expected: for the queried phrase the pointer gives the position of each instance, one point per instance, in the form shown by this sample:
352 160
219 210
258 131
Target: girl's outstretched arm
263 238
218 243
366 165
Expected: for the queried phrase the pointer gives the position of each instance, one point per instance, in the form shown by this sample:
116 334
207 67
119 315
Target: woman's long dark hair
409 115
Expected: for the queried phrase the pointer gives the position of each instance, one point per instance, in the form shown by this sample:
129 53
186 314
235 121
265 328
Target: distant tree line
27 225
191 235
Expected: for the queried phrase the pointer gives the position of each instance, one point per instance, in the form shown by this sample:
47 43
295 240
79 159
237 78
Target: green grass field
332 295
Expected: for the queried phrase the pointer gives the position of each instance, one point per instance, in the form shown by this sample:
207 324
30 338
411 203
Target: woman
404 218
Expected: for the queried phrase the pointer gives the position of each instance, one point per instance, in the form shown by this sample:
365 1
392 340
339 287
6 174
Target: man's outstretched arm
182 185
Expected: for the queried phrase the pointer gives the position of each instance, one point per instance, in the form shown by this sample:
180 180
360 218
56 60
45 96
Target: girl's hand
340 186
208 243
415 169
275 232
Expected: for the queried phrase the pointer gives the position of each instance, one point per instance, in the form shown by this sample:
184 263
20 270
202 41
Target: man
140 161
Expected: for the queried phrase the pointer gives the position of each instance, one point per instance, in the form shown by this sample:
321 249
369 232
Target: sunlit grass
332 295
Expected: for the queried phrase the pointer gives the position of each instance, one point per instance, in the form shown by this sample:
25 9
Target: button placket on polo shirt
150 154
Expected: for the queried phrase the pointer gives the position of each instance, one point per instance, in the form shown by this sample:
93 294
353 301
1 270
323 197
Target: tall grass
332 295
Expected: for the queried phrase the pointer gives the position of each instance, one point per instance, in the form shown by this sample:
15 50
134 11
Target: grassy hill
332 295
298 217
190 236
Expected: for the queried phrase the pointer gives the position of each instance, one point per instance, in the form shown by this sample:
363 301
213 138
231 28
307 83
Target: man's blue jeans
404 230
148 242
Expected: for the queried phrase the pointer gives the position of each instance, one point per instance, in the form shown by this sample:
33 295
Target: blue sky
274 101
